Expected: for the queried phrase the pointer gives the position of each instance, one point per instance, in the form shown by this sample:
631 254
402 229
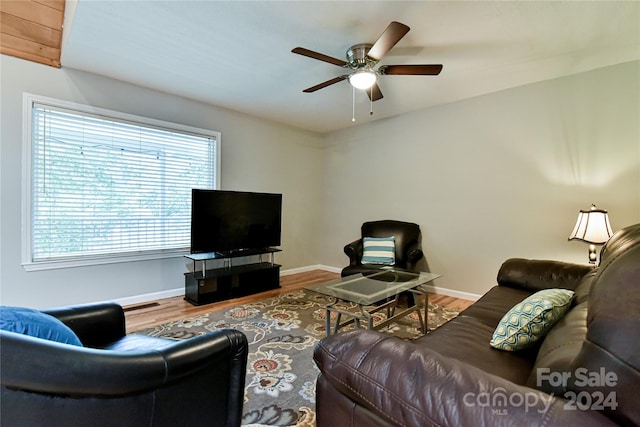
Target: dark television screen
224 221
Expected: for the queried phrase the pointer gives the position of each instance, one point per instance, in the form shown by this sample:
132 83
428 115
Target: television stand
204 286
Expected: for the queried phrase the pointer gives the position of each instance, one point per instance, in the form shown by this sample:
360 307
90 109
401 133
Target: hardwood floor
141 316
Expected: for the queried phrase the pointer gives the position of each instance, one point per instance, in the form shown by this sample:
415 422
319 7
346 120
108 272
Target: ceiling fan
362 58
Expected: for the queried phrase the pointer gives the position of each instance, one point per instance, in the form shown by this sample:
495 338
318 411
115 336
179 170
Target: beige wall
257 156
497 176
493 177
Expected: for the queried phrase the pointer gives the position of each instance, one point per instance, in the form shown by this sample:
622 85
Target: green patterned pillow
531 319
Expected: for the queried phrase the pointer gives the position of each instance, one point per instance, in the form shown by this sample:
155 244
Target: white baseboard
310 268
452 293
145 298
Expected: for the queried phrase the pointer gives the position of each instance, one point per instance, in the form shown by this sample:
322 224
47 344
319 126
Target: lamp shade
592 226
362 79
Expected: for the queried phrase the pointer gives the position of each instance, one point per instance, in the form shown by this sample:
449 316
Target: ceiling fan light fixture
362 79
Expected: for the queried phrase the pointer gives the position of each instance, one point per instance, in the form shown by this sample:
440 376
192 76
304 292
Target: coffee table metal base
366 316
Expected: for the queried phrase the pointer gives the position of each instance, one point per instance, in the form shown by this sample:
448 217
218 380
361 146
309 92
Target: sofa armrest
95 324
535 275
402 384
81 371
354 251
194 382
414 254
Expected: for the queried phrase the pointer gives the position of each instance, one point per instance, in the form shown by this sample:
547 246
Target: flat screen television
229 221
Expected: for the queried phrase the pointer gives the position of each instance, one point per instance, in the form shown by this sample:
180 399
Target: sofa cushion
137 342
584 287
466 339
28 321
379 250
558 351
535 275
531 319
490 308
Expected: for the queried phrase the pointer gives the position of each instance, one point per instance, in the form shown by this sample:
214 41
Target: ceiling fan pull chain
353 111
371 103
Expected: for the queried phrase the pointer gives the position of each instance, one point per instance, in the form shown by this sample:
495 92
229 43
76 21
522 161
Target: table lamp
592 227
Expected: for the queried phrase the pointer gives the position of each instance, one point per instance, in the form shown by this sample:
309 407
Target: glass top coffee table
382 290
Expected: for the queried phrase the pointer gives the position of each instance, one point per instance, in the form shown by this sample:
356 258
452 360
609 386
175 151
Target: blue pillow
529 320
28 321
379 250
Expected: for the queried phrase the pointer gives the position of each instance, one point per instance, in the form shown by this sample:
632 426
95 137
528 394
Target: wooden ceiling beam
32 30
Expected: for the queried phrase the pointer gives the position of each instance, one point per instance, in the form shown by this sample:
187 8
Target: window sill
85 261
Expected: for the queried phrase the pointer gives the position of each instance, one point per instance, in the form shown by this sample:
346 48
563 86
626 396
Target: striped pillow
379 250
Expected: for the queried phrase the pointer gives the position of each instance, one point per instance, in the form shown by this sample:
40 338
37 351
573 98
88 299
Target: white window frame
27 144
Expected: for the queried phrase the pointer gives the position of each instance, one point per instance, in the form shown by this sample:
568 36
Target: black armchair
119 379
407 246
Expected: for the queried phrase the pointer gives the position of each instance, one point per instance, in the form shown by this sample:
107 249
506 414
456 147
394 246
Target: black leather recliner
407 238
118 379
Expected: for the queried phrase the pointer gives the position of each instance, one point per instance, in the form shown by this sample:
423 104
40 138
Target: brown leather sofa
584 372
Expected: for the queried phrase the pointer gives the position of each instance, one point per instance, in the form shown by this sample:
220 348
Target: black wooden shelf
205 286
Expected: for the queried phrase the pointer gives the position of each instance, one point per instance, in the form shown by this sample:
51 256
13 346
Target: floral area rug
282 332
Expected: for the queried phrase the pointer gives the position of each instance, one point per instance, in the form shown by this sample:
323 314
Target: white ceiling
237 54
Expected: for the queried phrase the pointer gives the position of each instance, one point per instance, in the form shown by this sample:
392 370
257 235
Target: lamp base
593 255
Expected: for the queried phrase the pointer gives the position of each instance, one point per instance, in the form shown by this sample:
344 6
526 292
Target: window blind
103 186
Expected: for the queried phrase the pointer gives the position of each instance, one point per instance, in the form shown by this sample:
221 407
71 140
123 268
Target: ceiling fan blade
319 56
374 92
411 70
392 35
325 84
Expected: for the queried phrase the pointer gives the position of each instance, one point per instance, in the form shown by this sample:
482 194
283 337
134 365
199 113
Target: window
102 186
